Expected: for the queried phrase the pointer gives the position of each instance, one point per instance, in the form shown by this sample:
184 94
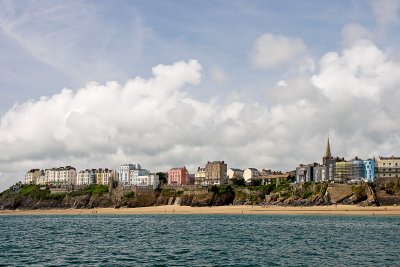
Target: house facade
250 174
234 173
124 173
387 167
216 173
200 176
32 176
178 176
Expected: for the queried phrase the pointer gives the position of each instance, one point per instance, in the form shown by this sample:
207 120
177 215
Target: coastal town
331 169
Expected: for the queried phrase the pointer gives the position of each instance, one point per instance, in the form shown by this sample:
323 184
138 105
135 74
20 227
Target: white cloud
271 51
352 96
282 83
385 11
362 71
354 32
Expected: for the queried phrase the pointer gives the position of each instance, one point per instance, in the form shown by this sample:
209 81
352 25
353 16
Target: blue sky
269 71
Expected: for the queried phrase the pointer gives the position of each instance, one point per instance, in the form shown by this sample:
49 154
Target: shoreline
228 210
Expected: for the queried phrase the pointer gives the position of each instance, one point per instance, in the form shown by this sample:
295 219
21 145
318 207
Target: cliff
307 194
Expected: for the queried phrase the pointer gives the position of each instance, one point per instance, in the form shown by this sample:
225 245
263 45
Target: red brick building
178 176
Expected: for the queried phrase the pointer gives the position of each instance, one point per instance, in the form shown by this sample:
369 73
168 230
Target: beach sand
174 209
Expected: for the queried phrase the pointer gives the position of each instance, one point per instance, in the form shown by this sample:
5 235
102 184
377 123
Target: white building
60 176
42 179
86 177
235 173
250 173
124 172
32 176
138 177
200 176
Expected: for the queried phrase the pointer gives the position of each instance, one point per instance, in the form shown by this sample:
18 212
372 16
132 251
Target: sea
199 240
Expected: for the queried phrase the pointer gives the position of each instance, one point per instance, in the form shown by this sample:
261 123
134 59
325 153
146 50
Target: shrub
57 196
129 194
306 194
97 189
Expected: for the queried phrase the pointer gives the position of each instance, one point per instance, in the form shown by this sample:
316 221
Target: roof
253 169
178 168
392 157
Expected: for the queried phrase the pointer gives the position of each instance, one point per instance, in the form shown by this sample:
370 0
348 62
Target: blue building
369 169
358 169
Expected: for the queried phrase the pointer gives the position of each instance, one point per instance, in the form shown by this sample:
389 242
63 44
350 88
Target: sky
96 84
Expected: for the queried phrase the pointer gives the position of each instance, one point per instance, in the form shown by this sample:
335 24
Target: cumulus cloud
354 32
385 11
271 51
364 70
352 96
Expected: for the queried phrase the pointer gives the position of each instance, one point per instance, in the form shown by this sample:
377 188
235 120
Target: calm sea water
199 240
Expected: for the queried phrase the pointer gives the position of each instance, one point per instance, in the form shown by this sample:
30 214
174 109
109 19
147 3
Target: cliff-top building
250 174
387 167
234 173
124 173
32 176
215 173
200 177
178 176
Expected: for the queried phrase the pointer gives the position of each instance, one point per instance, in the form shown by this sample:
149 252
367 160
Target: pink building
178 176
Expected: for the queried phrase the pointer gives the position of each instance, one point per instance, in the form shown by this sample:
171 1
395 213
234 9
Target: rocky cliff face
308 194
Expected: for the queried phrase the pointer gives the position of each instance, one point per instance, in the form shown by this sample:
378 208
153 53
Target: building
304 173
387 167
124 172
216 173
42 180
104 176
60 176
192 179
369 170
178 176
32 176
86 177
234 173
273 178
138 177
200 177
358 169
250 174
319 173
328 154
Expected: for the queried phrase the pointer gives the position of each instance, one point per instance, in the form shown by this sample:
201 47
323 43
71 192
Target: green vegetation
35 192
221 189
359 192
166 192
163 177
238 182
129 194
97 189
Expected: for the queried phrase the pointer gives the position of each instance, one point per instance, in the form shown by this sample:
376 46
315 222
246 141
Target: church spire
327 153
328 150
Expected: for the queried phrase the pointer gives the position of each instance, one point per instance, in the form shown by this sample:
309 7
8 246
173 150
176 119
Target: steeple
328 150
327 153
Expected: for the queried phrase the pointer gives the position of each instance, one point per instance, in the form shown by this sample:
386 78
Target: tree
163 177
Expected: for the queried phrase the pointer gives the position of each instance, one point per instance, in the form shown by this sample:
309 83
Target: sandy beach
172 209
